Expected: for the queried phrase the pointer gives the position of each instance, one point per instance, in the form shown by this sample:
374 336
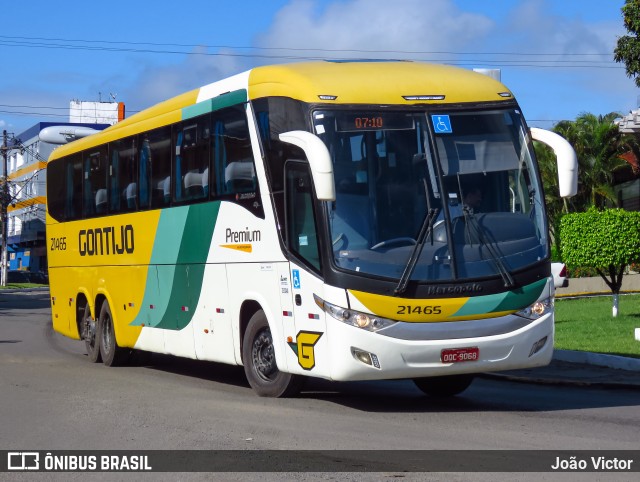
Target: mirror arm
319 161
566 158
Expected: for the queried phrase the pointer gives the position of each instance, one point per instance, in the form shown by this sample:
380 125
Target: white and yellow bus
342 220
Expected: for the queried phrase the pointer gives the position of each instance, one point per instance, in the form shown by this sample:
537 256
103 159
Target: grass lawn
586 324
20 286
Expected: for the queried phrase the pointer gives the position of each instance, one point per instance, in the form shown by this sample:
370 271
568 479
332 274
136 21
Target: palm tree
598 145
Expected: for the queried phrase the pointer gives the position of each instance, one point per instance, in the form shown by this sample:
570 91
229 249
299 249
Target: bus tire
442 387
259 361
112 355
91 334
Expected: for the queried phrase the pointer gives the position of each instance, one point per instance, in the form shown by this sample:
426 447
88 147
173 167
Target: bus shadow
204 370
402 396
486 395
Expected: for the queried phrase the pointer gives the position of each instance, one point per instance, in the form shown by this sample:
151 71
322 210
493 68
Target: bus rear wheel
91 335
442 387
112 355
260 365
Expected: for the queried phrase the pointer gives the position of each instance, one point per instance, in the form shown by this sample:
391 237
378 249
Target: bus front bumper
362 355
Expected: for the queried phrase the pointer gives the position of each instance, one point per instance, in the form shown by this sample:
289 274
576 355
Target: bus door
307 345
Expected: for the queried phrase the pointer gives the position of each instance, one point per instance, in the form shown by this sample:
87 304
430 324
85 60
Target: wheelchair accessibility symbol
441 124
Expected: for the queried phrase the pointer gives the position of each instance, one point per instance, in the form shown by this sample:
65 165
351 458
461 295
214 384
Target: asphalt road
52 398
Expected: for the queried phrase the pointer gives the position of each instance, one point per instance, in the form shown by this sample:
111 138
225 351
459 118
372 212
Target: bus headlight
537 309
352 317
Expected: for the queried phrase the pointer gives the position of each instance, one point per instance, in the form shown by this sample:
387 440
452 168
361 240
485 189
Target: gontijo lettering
107 240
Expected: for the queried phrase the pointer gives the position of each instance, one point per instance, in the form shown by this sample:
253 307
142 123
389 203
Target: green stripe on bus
189 273
522 297
510 301
174 280
217 103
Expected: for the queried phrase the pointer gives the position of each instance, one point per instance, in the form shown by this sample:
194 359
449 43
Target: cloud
379 25
356 25
582 82
532 27
153 83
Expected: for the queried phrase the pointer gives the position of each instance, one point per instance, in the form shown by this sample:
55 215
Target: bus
311 220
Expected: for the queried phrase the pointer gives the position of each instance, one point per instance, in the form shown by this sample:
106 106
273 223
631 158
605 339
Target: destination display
373 121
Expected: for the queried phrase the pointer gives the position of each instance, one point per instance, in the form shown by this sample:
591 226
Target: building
26 174
627 183
627 180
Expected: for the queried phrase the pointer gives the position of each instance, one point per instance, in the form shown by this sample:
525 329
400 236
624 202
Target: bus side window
144 171
56 189
192 159
159 142
235 171
123 191
73 182
94 183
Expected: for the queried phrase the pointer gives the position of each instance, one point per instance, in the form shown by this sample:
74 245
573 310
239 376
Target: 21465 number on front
420 310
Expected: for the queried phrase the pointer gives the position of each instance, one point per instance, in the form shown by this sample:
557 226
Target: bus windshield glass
472 170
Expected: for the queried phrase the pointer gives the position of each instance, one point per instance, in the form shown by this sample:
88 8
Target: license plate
459 355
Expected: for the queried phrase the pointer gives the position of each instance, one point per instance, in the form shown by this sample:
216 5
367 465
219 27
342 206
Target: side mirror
566 157
319 162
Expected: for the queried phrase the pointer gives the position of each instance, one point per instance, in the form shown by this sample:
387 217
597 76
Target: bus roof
374 82
343 82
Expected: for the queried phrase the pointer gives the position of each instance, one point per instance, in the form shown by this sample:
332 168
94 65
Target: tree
627 50
598 145
607 240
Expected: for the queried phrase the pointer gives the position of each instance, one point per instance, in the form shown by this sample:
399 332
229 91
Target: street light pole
5 204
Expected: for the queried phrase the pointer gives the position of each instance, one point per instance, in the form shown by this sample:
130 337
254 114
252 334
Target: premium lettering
245 236
106 241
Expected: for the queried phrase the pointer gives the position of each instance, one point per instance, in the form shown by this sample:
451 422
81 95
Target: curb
630 366
566 382
598 359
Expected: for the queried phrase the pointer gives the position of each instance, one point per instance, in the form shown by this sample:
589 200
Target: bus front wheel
259 361
446 386
111 353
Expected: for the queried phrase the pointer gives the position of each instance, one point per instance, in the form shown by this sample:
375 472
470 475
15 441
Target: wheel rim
106 333
90 340
89 331
263 356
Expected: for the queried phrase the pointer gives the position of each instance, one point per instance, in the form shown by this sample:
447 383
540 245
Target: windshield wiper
425 229
470 220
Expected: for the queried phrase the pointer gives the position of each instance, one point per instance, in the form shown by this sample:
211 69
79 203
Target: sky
556 56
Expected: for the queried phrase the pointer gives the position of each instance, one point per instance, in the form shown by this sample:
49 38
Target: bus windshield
472 170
